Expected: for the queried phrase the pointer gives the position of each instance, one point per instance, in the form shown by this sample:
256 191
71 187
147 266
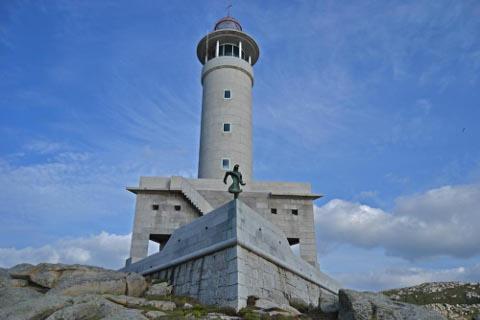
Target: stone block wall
262 278
211 279
229 276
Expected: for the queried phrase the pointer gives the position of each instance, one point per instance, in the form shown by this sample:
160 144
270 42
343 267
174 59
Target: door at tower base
232 253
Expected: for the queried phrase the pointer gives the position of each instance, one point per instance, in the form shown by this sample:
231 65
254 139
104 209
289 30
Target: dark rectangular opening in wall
293 241
178 207
161 239
294 245
155 207
295 212
273 210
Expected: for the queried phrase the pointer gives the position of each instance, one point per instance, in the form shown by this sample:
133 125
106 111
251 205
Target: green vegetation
197 310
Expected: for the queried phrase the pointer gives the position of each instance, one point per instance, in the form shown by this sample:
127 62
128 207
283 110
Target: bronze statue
237 181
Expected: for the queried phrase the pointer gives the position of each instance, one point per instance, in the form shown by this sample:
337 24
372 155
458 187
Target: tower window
295 212
177 207
225 164
229 49
273 210
227 94
155 207
227 127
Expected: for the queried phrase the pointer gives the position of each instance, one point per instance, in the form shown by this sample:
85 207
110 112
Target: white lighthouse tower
165 204
228 55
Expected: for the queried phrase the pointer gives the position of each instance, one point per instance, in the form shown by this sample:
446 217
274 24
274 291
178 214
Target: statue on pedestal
236 181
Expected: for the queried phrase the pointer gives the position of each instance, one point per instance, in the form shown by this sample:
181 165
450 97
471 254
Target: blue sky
376 103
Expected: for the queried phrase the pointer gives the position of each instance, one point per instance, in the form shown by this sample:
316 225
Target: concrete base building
232 253
217 250
165 204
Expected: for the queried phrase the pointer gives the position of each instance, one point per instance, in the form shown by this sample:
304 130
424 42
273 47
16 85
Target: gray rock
366 305
21 271
219 316
278 313
270 306
7 281
86 308
76 280
289 309
134 302
159 289
136 284
38 308
329 303
126 301
10 296
19 283
265 304
155 314
98 284
126 314
94 307
161 305
4 278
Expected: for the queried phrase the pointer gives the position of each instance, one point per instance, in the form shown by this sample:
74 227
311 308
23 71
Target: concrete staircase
196 199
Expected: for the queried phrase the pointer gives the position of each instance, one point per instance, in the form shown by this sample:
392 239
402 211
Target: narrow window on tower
226 164
227 127
227 94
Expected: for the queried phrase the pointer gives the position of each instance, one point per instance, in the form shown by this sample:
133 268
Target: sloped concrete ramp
232 253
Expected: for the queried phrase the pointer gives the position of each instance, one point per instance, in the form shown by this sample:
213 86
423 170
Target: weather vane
228 9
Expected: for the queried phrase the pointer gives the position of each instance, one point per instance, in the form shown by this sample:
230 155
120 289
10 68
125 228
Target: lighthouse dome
228 23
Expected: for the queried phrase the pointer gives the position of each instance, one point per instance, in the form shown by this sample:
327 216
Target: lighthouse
228 55
165 204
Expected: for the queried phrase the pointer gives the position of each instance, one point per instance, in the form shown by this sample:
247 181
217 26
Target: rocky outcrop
454 300
11 295
74 280
456 311
37 308
95 307
73 292
355 305
451 293
70 292
133 302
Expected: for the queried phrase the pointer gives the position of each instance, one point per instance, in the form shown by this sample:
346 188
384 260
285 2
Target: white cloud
104 249
440 222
